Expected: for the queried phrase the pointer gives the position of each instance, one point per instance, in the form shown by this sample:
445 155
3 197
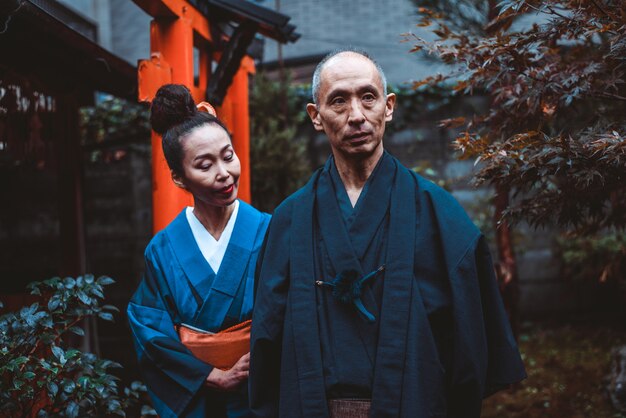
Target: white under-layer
213 250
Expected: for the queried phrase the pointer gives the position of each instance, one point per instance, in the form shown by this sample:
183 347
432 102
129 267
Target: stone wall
118 226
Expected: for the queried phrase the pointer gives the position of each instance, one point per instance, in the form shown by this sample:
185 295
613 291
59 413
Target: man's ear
389 105
178 180
314 114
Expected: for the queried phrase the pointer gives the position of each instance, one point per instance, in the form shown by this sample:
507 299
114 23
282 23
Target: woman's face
211 168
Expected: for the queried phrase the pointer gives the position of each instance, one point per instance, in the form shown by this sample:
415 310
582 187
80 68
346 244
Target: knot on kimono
348 286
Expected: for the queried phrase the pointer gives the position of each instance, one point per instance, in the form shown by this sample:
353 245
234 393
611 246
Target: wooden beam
230 62
176 9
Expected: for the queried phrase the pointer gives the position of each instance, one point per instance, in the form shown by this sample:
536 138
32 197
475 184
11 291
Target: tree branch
604 12
552 11
611 96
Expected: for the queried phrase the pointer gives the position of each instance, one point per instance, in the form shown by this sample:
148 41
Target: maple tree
552 141
554 132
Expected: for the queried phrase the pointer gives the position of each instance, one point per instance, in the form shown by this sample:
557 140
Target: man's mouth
358 136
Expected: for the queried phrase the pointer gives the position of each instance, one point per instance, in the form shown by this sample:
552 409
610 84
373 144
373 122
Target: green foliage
411 105
277 152
40 376
555 131
113 122
113 118
600 256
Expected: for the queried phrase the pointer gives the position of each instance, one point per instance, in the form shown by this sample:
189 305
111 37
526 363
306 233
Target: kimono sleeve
486 357
172 374
272 286
505 365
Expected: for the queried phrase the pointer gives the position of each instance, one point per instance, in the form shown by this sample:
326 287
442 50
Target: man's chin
360 151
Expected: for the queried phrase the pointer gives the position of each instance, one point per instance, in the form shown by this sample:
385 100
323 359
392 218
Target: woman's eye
229 157
203 166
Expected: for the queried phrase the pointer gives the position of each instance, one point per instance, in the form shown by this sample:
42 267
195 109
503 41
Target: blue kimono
179 286
432 338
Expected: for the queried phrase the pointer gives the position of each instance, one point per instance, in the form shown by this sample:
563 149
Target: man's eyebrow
368 88
340 91
336 92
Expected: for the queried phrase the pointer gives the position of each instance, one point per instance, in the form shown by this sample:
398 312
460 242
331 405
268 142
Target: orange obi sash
220 349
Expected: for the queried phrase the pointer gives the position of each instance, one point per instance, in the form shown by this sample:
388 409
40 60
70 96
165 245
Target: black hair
173 115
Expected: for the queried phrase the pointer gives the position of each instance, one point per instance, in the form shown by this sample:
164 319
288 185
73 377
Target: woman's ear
178 180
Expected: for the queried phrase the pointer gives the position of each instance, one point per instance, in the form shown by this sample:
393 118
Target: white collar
213 250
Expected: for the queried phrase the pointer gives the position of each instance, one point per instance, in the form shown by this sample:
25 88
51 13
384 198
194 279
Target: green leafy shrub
112 119
39 376
110 127
600 256
277 150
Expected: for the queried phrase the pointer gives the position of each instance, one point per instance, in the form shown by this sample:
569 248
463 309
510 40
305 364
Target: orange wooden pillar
234 112
174 41
177 28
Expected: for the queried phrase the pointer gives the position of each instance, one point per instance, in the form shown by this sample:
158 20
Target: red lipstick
227 190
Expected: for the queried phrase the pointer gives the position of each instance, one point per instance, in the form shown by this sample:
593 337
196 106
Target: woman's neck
213 218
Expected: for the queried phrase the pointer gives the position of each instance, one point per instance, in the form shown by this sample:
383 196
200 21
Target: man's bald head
315 83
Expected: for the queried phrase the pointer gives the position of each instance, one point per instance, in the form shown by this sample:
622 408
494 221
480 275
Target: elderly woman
199 269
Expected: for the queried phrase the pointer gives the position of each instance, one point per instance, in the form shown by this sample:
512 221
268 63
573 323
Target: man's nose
356 115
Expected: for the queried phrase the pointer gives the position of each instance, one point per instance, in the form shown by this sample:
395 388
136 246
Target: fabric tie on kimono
348 287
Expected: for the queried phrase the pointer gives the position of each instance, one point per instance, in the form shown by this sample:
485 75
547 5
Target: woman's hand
229 379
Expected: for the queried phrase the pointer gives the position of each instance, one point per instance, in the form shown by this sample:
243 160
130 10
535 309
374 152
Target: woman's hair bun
171 106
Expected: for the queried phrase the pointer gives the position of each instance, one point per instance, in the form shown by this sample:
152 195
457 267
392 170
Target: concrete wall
375 25
130 28
123 28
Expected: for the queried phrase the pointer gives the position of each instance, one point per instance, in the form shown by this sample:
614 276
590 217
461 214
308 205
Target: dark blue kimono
439 340
179 286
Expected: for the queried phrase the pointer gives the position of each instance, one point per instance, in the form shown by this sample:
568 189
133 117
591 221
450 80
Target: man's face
352 108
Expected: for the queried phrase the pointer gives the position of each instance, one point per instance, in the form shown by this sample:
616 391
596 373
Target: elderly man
376 294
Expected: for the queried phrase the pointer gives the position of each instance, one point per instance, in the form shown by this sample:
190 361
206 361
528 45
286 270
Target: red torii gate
178 27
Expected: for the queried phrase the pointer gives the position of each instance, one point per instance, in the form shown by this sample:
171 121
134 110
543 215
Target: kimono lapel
397 291
372 210
232 270
346 247
334 232
302 304
189 256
